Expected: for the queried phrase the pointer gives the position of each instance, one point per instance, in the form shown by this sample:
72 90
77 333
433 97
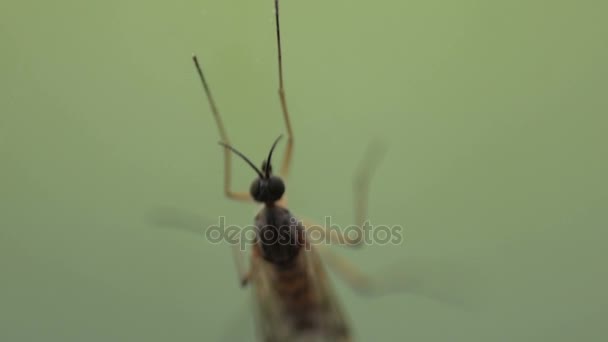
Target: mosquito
295 301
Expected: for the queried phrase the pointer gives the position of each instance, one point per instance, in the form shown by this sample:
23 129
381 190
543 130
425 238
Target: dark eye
276 188
256 190
267 189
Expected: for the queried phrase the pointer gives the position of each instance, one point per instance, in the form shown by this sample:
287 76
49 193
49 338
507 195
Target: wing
299 306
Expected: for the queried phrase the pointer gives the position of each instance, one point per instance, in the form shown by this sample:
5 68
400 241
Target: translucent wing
296 304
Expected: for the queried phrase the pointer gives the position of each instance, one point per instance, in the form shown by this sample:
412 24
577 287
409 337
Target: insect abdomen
305 306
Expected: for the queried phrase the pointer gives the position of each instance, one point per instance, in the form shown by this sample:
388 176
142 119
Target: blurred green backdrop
494 114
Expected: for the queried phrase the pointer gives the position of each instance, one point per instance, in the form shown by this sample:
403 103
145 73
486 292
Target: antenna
244 158
270 156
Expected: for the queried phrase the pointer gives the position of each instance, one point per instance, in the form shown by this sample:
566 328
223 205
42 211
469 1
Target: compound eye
276 188
256 190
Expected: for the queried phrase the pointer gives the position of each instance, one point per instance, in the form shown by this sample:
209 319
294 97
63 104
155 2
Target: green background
494 114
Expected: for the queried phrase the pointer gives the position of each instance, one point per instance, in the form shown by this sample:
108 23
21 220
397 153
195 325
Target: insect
294 299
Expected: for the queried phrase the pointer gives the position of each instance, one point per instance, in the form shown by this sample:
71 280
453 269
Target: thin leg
241 269
238 196
350 273
361 193
361 181
284 172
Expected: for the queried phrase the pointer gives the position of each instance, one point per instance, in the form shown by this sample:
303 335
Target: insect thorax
279 235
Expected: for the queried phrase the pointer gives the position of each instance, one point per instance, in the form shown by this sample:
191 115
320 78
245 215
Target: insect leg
350 273
289 148
361 183
242 272
238 196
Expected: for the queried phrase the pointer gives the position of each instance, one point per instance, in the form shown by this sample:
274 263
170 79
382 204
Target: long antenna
244 158
270 155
